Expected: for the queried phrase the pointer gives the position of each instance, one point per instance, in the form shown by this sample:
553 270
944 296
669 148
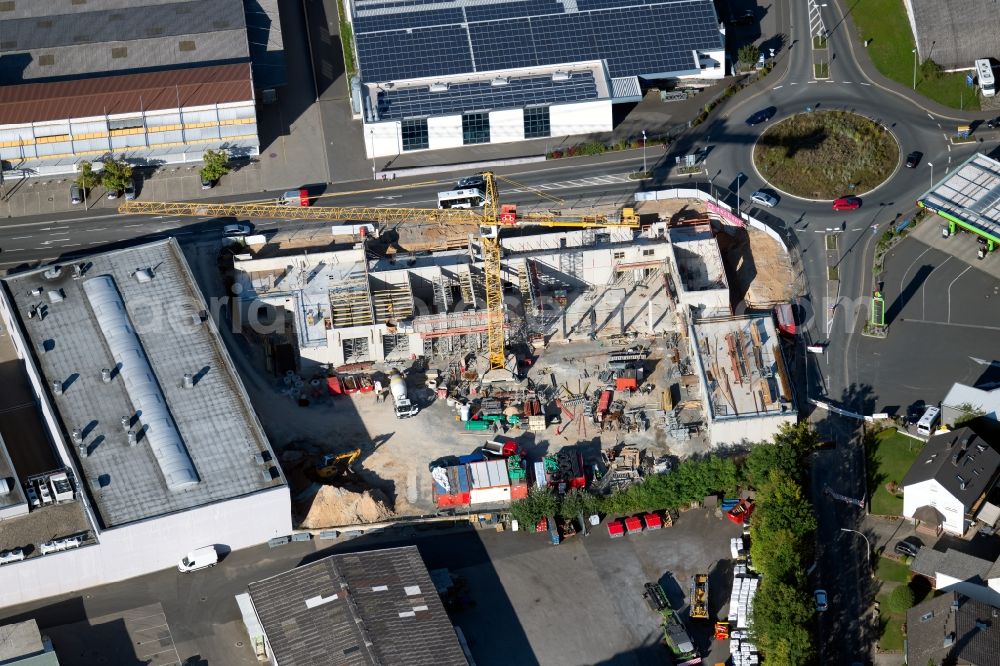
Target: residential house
953 629
947 485
955 571
962 398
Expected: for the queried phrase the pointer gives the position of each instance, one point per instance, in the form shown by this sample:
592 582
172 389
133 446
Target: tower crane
490 220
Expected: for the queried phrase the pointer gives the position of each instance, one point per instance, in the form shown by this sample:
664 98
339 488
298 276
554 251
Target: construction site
393 359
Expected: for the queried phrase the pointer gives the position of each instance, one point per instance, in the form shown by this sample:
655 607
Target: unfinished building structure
744 378
345 307
702 286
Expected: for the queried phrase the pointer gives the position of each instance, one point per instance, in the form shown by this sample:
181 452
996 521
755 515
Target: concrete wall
760 428
507 125
159 543
581 118
931 493
971 589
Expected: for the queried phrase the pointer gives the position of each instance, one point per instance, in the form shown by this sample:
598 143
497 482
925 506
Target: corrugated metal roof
38 102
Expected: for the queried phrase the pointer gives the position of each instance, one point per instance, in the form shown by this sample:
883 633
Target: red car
847 203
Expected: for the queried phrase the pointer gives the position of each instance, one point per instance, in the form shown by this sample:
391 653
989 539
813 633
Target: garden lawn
892 623
894 453
892 570
891 50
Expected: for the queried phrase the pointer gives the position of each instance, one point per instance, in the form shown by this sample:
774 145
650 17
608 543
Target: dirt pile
332 507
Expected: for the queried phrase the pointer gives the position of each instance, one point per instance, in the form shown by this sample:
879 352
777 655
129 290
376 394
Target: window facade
475 128
415 134
536 123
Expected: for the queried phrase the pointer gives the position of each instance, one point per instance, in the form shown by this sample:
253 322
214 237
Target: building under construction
346 306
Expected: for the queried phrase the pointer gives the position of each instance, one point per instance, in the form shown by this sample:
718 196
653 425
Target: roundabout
823 155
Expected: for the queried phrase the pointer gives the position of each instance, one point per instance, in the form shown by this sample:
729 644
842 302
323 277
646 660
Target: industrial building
436 75
968 197
21 644
368 608
149 446
153 81
343 308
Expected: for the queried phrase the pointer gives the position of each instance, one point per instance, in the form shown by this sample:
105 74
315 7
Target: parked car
207 184
761 116
821 602
199 558
113 194
75 194
913 159
764 198
847 203
237 229
993 123
907 548
130 191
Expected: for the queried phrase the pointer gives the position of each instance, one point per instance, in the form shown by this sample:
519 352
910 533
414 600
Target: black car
907 548
761 116
749 17
993 123
913 159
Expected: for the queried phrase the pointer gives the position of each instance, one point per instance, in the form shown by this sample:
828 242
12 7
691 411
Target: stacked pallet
744 653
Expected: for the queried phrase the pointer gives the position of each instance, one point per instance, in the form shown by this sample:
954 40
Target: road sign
878 310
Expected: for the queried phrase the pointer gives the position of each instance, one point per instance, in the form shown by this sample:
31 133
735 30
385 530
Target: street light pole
371 144
643 151
931 165
868 551
914 69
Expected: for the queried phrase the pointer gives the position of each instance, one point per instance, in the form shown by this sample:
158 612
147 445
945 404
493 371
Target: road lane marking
930 116
131 225
19 237
865 84
949 290
71 245
776 87
945 323
903 279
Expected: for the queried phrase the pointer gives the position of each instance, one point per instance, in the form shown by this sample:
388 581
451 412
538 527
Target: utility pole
644 152
914 69
868 549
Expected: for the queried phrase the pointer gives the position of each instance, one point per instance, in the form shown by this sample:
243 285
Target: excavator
333 465
490 220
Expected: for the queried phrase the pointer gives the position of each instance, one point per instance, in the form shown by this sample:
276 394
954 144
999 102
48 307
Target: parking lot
531 602
941 301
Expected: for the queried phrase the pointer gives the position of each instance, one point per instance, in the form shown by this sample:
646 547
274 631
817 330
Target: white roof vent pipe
561 76
439 87
500 81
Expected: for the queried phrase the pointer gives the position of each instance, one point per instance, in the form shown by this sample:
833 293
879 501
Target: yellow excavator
490 220
335 465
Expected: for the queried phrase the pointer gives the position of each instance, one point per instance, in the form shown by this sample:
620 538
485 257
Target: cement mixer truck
401 404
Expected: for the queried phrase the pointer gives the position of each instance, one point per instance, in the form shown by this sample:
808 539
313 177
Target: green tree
85 177
901 599
577 502
116 174
789 452
970 412
215 165
931 70
778 555
782 506
747 54
780 622
539 503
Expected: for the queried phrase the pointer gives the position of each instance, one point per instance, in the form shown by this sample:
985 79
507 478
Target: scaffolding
350 301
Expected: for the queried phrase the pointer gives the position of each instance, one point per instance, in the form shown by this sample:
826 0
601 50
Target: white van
926 423
200 558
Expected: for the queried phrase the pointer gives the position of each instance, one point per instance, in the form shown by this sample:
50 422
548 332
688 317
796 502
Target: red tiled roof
125 93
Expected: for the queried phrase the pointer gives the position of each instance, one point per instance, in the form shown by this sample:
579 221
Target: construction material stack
562 471
744 653
474 481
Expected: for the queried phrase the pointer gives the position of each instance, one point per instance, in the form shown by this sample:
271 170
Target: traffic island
826 154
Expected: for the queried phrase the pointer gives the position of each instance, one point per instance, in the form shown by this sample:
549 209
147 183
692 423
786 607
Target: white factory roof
139 313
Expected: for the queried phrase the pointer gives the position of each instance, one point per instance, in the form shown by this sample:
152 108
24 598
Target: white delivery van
925 426
199 558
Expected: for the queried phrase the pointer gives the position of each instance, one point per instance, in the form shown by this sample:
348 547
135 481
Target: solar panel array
483 96
401 40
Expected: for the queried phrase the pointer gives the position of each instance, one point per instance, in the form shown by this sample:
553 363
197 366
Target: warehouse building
150 446
154 81
436 75
372 608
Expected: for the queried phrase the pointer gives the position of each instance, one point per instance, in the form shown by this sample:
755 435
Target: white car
763 198
237 230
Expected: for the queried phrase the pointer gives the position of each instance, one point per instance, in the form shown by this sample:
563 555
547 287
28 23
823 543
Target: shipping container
489 495
604 403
